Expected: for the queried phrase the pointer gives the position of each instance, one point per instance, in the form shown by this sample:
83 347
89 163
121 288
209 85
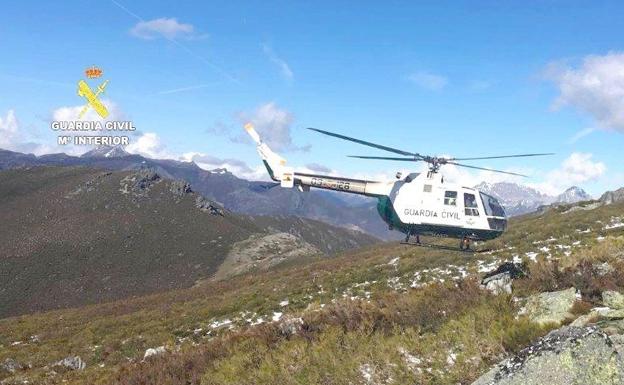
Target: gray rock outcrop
569 355
613 299
551 307
180 187
206 205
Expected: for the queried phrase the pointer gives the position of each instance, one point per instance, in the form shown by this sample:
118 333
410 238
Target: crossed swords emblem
92 98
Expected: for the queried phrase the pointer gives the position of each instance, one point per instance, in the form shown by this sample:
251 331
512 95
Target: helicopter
417 204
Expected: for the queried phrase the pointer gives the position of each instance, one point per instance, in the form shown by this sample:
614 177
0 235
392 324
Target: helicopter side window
470 205
450 198
427 188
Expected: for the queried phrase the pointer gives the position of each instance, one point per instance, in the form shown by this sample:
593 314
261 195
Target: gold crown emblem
93 72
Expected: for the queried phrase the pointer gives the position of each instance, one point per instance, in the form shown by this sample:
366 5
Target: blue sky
455 78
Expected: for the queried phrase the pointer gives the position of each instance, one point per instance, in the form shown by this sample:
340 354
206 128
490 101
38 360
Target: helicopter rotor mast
434 162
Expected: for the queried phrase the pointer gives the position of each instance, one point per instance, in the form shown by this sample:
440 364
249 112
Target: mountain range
261 198
518 199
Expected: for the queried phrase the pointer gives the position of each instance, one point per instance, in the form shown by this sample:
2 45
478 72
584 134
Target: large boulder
499 281
569 355
551 307
613 299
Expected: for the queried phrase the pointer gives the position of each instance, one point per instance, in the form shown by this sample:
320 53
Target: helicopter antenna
434 162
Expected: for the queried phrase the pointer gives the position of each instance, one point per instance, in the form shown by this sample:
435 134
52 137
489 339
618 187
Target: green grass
343 337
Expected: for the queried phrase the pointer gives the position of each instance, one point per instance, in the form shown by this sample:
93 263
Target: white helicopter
418 204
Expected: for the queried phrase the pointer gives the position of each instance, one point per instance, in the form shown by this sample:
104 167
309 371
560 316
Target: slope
73 236
385 311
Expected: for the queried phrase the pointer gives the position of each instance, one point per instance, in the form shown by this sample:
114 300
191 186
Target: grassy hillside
72 236
383 314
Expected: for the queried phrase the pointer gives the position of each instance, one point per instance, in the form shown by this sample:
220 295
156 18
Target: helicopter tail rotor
275 164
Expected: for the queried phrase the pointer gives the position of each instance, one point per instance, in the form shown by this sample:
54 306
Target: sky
461 79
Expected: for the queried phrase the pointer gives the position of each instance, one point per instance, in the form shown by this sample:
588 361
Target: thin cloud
479 85
581 134
215 67
278 61
428 80
169 28
37 81
184 89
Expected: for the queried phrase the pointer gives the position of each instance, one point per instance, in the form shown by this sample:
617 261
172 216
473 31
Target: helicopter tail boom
279 172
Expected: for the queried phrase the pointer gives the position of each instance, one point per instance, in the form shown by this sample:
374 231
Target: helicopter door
470 205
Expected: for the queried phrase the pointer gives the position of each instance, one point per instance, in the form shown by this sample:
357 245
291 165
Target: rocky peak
613 196
572 195
106 152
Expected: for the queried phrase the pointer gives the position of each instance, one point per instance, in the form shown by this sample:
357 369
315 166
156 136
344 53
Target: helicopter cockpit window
470 205
450 198
492 207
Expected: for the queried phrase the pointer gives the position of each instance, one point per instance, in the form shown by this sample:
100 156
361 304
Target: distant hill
262 198
610 197
74 236
236 194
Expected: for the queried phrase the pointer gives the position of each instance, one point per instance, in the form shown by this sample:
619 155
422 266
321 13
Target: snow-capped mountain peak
572 195
518 199
106 152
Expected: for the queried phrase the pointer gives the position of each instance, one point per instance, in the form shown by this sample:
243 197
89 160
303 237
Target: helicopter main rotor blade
486 169
502 156
384 158
370 144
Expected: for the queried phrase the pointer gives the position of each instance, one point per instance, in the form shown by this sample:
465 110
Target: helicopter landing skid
443 247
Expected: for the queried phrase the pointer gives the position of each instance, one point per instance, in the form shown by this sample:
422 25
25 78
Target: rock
11 366
154 352
613 299
612 327
551 306
180 187
145 178
71 363
618 343
613 314
569 355
289 326
603 268
498 284
499 280
584 320
208 206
